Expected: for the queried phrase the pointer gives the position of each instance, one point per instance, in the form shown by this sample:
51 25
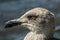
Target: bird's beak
13 26
16 22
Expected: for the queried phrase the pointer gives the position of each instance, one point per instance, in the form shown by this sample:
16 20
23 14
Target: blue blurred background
12 9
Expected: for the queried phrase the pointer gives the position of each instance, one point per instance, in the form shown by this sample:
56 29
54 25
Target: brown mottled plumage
39 21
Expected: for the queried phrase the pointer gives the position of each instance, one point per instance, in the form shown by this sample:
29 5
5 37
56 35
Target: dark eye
32 17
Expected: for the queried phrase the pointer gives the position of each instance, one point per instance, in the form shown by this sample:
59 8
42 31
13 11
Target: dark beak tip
8 25
11 24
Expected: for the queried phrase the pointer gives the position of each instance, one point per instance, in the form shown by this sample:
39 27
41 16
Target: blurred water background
12 9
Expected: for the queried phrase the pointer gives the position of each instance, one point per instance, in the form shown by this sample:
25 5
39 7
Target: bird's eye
32 17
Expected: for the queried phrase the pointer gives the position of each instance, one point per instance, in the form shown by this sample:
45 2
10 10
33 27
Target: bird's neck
43 35
38 36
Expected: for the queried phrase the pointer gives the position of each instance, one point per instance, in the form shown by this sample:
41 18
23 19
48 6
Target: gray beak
13 26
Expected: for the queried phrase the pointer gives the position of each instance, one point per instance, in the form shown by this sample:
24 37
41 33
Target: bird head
38 20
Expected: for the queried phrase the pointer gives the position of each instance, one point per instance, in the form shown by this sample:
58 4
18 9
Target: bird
40 22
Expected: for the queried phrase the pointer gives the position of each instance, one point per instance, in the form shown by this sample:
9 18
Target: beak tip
11 24
7 25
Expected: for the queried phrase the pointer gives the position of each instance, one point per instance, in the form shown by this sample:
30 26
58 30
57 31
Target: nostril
11 24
